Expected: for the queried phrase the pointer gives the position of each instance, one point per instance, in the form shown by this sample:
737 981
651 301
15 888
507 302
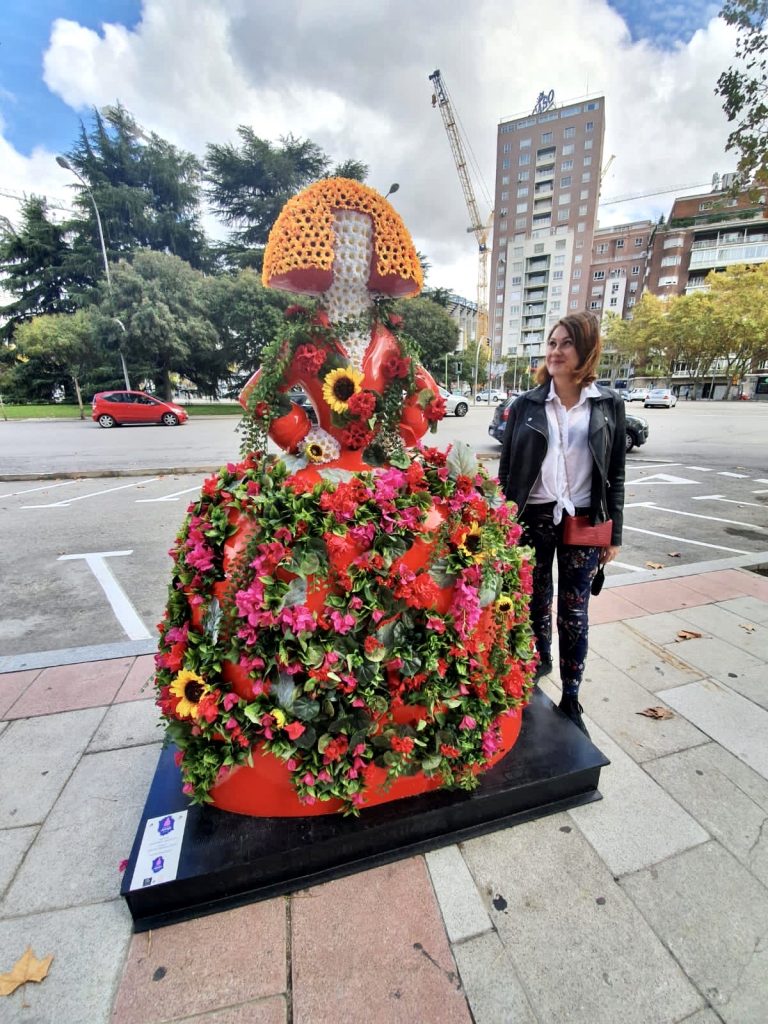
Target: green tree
55 350
35 267
689 330
248 185
738 318
147 192
744 88
434 331
161 301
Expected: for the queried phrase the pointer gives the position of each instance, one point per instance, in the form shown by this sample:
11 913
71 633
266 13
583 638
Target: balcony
719 256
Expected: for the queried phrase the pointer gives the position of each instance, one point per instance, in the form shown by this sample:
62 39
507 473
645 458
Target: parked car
637 431
661 398
115 408
301 398
490 396
499 420
455 405
636 395
636 426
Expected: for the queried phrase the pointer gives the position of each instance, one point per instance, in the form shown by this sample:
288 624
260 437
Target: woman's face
562 357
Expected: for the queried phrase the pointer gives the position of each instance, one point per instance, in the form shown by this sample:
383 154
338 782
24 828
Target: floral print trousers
576 568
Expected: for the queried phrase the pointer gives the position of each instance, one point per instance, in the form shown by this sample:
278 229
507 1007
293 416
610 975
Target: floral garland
294 622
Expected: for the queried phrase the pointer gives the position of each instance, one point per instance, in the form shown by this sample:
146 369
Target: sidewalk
648 906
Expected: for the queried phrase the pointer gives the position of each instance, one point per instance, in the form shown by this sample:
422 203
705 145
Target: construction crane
478 228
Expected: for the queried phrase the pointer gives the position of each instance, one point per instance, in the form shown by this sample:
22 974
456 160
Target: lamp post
63 162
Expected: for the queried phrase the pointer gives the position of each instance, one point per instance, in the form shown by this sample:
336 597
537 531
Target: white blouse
566 473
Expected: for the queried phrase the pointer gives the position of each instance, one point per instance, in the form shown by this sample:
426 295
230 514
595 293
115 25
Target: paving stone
12 685
614 701
717 658
91 829
460 903
730 719
211 963
264 1011
720 623
67 687
661 629
715 787
612 606
14 843
40 755
713 915
703 1017
88 946
138 683
373 946
491 983
636 823
662 595
132 724
749 608
752 684
581 950
649 664
721 584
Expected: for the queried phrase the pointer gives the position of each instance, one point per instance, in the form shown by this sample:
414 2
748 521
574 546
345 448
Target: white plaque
158 859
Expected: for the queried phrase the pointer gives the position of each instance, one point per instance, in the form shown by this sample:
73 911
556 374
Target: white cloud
353 77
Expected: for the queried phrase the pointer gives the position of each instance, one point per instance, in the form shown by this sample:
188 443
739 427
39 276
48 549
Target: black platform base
229 859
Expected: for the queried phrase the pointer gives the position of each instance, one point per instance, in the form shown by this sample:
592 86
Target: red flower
395 320
335 750
321 318
295 312
209 486
295 729
403 745
448 751
355 436
309 359
423 592
436 409
394 366
208 706
372 645
362 404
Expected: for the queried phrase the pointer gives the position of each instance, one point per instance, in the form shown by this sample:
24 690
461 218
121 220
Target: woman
563 455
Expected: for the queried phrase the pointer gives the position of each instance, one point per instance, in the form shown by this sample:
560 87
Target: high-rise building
617 268
547 187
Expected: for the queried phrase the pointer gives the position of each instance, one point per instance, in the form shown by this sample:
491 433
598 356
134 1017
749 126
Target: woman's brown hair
584 329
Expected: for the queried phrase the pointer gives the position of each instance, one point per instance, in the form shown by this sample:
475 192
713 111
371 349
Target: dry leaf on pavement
27 968
674 554
656 713
688 634
748 626
654 565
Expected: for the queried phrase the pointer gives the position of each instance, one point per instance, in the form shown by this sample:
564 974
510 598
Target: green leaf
489 591
399 460
440 574
429 764
285 691
306 710
253 713
462 460
295 594
307 739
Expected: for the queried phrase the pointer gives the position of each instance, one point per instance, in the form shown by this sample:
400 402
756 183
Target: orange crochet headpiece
300 250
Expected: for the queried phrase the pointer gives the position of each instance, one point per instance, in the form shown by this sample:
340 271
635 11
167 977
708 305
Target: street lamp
392 188
63 162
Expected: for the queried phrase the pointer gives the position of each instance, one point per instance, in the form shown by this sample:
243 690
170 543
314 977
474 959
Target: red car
114 408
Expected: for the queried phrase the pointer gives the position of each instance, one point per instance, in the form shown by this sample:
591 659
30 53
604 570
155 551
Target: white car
455 405
636 395
661 398
490 396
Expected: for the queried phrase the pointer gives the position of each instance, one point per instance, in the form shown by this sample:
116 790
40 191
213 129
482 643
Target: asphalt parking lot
85 557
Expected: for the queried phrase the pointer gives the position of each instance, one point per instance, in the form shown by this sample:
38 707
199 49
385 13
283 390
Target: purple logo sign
157 864
166 825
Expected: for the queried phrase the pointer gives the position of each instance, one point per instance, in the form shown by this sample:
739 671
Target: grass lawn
71 412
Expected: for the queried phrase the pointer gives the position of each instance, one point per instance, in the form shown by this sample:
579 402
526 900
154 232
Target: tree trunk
79 397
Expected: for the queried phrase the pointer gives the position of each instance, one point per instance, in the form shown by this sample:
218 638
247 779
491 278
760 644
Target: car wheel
630 442
106 421
461 409
170 419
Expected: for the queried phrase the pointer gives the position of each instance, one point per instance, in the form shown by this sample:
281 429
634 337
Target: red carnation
356 436
362 404
435 410
394 366
309 359
403 745
335 750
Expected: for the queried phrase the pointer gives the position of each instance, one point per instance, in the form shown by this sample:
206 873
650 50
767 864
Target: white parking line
739 476
46 487
728 501
684 540
626 565
168 497
700 469
664 478
94 494
697 515
119 601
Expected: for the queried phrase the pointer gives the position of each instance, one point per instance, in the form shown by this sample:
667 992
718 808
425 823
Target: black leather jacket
526 440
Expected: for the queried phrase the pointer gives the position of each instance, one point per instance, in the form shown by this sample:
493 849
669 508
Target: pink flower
292 764
342 623
230 700
188 789
467 722
308 779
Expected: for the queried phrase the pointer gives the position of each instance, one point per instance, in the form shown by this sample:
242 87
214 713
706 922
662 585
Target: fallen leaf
674 554
27 968
656 713
654 565
748 626
688 634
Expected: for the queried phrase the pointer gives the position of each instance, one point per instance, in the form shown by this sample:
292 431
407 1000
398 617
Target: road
85 559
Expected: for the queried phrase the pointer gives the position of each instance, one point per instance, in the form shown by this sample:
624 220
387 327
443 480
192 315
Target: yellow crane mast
479 229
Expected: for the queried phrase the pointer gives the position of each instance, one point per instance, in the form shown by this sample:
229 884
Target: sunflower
504 604
339 386
189 688
470 544
314 452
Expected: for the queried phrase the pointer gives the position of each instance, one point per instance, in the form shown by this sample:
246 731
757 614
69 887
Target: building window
503 225
569 132
584 194
517 251
581 226
566 165
588 144
563 214
514 310
520 222
667 282
615 289
557 289
636 270
575 304
589 126
619 272
597 291
578 258
602 248
564 198
546 138
672 243
619 243
557 275
517 279
670 261
554 306
505 165
525 143
579 245
559 261
594 305
639 241
538 248
587 161
521 208
504 196
599 275
630 302
523 159
632 286
522 192
576 275
523 175
506 147
502 241
705 206
567 150
505 180
565 181
613 302
517 267
560 243
586 176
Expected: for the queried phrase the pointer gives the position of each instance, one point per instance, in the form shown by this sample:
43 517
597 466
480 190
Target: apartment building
617 271
464 312
547 188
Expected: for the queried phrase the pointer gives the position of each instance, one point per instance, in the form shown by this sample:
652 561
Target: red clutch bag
577 532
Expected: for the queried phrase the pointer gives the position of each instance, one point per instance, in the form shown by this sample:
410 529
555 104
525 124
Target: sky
353 76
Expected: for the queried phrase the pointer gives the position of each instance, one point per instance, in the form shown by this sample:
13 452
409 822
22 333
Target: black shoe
543 669
570 706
